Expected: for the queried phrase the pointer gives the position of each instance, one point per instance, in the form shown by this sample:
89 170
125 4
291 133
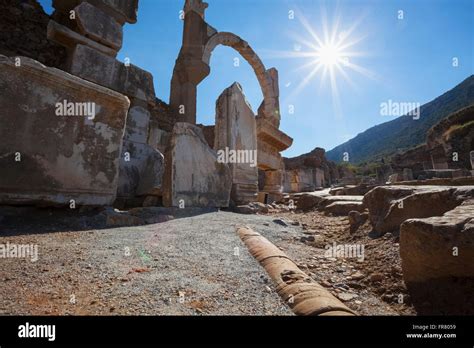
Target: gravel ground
195 265
187 266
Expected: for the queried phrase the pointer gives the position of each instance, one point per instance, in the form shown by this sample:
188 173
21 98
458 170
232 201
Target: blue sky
409 59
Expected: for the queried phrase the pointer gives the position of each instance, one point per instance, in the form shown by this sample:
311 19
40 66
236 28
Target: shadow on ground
15 221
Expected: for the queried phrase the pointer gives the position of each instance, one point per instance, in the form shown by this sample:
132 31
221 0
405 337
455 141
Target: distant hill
403 132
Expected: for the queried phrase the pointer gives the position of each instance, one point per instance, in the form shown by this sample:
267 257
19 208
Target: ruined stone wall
327 171
23 29
448 146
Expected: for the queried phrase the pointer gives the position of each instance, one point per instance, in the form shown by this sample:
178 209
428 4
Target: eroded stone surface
99 68
97 25
51 159
141 170
343 208
437 254
235 133
122 10
389 206
68 38
193 176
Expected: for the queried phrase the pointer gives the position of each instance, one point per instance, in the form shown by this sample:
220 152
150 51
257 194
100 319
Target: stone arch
264 77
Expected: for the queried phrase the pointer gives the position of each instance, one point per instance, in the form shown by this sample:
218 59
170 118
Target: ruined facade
131 149
192 67
446 153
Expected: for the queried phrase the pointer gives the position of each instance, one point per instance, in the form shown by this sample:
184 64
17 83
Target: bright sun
329 55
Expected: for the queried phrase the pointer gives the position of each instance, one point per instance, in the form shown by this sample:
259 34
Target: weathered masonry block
53 156
193 176
236 133
97 67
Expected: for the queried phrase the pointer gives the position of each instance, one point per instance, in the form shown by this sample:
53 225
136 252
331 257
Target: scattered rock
357 276
280 222
376 277
347 296
341 208
356 219
390 206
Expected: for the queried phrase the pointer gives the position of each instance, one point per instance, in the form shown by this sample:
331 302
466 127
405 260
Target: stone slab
70 39
235 132
98 26
99 68
193 175
61 157
122 10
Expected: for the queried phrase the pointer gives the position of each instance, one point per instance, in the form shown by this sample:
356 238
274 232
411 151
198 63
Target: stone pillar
270 107
236 135
190 70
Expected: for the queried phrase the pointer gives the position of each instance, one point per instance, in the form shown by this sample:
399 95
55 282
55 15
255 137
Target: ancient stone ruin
81 129
133 149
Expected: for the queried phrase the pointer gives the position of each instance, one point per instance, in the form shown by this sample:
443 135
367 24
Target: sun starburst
330 54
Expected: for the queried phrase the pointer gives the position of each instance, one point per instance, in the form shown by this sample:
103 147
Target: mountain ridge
402 133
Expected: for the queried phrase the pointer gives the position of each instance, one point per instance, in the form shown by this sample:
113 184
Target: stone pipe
296 288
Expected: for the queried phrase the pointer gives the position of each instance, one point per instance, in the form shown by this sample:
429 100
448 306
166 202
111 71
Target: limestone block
437 254
137 125
235 134
130 80
268 156
46 158
343 208
98 26
122 10
390 206
193 175
272 135
70 39
141 170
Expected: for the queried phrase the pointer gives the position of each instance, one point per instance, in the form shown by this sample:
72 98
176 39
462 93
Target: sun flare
329 55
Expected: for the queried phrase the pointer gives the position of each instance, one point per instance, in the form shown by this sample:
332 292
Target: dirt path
181 267
194 265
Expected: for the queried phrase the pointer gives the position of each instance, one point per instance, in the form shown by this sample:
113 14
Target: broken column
190 70
270 141
61 136
193 175
236 142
